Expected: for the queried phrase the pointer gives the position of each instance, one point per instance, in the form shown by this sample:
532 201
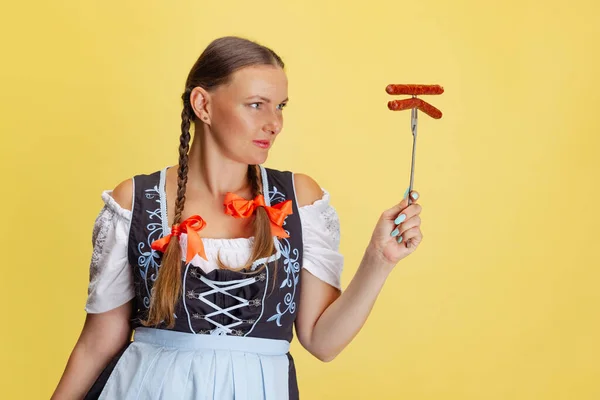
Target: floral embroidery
291 267
149 259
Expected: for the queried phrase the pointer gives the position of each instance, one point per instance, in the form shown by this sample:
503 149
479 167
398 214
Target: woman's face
246 114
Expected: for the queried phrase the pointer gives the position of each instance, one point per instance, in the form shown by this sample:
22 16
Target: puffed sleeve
321 240
111 277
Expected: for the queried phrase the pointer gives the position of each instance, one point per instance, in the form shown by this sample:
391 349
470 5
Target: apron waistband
191 341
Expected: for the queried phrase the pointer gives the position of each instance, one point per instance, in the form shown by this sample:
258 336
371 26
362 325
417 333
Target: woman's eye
280 107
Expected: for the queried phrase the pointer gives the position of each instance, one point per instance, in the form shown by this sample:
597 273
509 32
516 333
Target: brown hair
213 68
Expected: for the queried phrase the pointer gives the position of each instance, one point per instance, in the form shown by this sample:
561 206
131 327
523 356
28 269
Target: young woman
212 261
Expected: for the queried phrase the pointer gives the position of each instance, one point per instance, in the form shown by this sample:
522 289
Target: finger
408 213
409 224
392 213
406 225
414 195
412 235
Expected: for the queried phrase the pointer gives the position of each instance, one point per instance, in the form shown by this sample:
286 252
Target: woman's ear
200 100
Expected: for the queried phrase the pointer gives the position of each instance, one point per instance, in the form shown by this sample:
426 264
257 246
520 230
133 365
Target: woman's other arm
102 337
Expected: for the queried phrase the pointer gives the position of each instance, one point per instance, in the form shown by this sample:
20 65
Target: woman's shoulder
122 194
308 191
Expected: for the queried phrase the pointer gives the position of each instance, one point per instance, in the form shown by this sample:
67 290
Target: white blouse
111 275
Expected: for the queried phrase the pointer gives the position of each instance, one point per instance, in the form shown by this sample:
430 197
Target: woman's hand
398 232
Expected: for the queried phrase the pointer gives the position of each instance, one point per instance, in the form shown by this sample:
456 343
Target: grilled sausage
415 90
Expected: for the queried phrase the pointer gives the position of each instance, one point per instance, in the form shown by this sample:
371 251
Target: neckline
212 242
162 191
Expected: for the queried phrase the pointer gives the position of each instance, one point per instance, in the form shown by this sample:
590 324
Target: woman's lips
263 144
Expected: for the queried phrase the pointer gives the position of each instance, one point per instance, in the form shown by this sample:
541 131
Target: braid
167 288
262 223
254 181
182 171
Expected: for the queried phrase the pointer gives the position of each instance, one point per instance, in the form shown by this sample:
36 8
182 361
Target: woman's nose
274 125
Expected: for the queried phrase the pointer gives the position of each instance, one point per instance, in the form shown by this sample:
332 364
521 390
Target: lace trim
322 210
102 225
320 204
332 224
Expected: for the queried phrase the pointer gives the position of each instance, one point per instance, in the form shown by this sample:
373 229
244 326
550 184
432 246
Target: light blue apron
165 364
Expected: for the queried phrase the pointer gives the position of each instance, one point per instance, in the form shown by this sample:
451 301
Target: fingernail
415 196
395 232
400 218
400 239
406 193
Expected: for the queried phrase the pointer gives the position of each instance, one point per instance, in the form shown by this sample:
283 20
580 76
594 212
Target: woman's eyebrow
266 100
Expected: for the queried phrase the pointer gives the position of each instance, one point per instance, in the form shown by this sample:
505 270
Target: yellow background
501 299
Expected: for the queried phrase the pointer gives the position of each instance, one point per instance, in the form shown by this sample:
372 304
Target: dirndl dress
233 330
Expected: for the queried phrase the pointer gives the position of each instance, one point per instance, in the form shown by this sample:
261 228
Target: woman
212 261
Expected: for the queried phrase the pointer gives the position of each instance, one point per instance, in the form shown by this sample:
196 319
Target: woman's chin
259 158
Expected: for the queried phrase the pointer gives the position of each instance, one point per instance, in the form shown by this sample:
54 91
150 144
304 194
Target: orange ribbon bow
239 207
191 226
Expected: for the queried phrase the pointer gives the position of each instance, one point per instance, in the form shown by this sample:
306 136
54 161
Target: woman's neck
213 174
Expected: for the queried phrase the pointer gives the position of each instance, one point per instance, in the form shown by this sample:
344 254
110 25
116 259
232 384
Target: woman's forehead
262 80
